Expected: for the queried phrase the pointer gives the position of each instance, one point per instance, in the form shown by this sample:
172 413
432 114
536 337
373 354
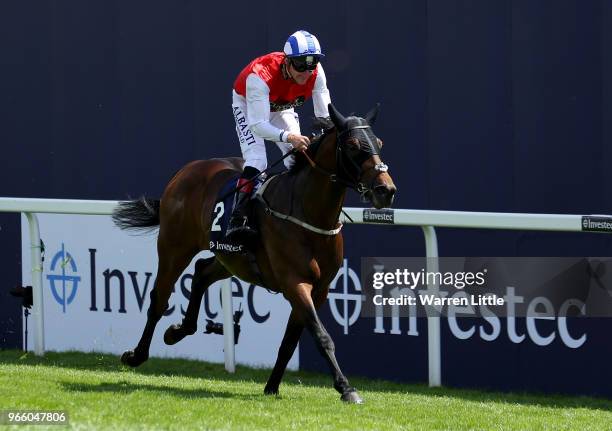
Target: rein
250 180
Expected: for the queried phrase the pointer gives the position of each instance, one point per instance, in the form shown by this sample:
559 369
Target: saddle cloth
220 217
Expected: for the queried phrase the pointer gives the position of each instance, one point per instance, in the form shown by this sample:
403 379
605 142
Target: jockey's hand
298 142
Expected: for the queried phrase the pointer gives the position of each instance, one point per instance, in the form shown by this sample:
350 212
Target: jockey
263 100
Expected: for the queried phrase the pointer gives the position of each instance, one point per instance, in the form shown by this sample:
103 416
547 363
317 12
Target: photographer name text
435 300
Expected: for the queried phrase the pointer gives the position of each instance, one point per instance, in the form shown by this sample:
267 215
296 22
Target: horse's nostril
385 194
384 190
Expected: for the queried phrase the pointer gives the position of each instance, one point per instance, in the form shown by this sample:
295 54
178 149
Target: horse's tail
139 215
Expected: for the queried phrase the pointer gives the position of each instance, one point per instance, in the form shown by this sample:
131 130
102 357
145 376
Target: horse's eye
353 144
352 147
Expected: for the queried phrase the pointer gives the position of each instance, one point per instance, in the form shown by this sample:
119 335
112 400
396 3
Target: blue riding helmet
302 43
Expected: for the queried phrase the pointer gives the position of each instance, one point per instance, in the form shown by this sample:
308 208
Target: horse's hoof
270 391
173 335
132 359
351 397
176 333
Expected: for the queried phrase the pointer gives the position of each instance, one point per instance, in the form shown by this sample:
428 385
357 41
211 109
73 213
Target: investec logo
597 224
64 284
63 280
385 215
349 299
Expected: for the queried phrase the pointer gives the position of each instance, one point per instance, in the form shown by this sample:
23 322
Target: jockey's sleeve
258 110
320 94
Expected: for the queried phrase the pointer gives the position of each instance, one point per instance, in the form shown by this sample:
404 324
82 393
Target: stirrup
241 227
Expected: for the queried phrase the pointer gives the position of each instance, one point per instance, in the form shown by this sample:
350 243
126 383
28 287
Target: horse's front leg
302 304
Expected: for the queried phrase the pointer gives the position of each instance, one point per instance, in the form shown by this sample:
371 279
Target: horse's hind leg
207 271
171 264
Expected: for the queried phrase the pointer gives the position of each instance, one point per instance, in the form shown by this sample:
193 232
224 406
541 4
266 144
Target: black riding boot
239 221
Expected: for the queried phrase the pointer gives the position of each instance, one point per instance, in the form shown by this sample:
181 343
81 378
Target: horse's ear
336 117
371 116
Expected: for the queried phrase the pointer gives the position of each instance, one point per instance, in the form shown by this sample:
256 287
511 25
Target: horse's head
358 160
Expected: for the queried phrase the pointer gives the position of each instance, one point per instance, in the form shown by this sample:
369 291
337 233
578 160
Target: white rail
426 219
57 206
477 220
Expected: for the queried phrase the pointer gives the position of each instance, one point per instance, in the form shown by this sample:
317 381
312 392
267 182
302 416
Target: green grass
99 393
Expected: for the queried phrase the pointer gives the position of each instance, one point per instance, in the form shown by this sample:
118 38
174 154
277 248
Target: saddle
219 243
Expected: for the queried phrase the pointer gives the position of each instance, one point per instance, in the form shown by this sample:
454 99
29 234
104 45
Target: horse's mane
315 143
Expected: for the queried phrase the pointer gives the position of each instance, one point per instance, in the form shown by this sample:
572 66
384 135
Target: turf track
99 393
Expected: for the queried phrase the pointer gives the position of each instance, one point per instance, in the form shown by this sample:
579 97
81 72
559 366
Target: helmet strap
285 71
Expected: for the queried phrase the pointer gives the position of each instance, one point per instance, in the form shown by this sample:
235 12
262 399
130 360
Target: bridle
345 164
369 146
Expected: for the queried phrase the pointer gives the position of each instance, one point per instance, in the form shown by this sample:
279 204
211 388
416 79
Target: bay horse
297 260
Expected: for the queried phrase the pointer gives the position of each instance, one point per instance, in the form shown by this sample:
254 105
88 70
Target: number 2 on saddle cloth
220 218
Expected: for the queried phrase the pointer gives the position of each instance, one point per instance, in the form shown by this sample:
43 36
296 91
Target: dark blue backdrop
498 106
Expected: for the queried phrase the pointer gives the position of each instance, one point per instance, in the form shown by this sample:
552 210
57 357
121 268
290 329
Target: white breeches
253 147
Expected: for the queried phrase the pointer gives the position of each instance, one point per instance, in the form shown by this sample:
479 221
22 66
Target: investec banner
96 285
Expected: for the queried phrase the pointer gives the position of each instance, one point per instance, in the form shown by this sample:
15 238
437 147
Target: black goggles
307 62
